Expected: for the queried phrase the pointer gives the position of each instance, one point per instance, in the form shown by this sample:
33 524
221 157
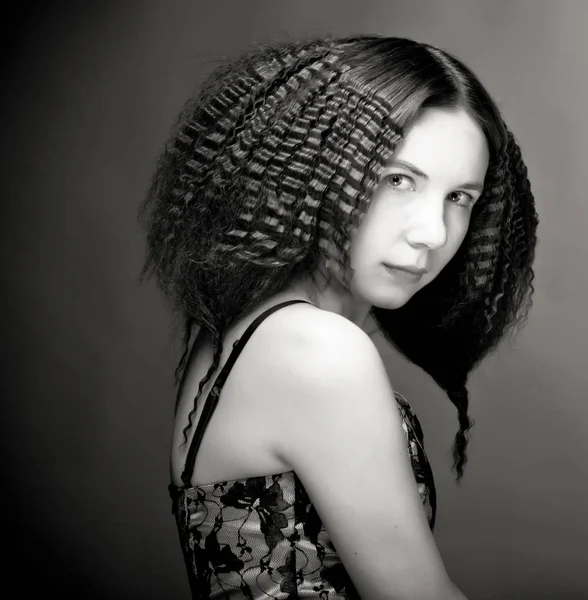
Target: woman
309 186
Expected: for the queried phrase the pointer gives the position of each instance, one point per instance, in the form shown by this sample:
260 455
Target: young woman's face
421 208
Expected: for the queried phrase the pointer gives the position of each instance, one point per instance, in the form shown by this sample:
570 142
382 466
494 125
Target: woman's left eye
466 199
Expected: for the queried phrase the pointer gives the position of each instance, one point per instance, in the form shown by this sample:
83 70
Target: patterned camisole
261 537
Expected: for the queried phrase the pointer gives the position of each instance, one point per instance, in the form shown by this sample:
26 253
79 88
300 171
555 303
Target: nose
428 228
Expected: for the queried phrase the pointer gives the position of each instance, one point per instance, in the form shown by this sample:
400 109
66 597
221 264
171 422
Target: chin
390 302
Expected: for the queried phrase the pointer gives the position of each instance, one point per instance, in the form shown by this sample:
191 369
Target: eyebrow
416 171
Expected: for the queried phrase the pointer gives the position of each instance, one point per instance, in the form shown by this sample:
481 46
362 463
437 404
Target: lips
409 269
404 275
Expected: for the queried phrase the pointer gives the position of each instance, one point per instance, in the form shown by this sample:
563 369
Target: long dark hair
271 167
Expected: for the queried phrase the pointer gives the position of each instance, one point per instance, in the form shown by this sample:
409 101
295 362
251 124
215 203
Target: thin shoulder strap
213 396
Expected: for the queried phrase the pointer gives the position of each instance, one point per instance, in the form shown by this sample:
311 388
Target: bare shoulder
306 348
314 346
323 364
304 326
341 432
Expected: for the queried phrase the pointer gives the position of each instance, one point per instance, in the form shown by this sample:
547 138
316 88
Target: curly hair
271 168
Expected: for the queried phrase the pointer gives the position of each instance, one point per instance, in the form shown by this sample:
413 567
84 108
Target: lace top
261 537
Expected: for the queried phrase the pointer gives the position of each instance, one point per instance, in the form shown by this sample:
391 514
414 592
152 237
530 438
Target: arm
345 441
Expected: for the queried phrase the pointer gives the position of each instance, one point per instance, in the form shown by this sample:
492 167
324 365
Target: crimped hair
271 168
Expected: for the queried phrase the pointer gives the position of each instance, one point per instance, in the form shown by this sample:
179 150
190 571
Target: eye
398 181
467 200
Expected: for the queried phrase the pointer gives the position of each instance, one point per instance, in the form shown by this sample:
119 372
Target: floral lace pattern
261 537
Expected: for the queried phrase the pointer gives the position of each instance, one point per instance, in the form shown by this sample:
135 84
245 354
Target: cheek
458 232
455 238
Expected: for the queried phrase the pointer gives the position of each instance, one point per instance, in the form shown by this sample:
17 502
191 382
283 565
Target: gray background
89 94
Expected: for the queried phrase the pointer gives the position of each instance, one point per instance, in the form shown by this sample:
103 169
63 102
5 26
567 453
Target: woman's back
247 524
240 439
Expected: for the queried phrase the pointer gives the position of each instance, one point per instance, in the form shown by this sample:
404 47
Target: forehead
443 138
